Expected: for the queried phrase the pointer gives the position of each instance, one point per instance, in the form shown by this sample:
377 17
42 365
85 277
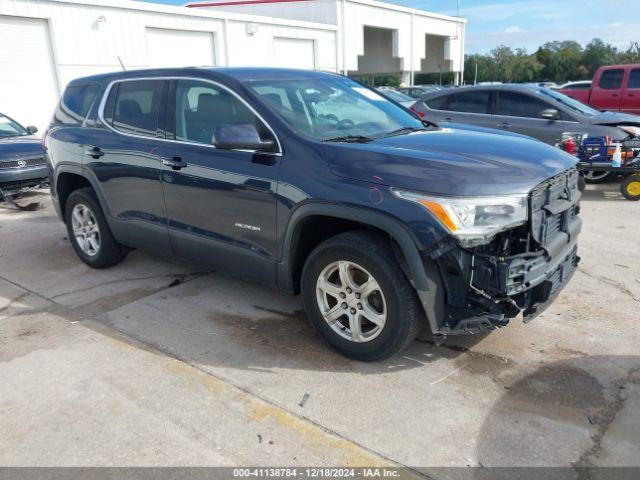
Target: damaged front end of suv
505 255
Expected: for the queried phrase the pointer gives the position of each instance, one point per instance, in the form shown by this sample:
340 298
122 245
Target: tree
556 61
596 54
631 55
560 59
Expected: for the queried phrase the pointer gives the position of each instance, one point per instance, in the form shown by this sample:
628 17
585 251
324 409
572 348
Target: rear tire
630 188
593 176
89 232
357 297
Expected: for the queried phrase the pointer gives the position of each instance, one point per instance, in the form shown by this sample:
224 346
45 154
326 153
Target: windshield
334 108
11 128
397 96
572 103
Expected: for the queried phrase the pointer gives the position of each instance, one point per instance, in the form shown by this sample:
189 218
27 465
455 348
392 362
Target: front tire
89 232
357 297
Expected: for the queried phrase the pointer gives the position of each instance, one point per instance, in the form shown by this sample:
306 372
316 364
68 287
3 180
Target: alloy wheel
85 229
351 301
595 175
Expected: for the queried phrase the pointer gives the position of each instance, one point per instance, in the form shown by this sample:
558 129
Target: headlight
633 131
473 220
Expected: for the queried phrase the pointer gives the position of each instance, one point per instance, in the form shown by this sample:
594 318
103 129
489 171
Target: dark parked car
538 112
318 185
404 100
418 90
22 163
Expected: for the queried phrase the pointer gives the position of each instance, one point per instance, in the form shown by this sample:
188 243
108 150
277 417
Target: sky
530 23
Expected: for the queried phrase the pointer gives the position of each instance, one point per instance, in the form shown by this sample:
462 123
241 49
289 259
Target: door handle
504 125
94 152
448 119
630 95
175 163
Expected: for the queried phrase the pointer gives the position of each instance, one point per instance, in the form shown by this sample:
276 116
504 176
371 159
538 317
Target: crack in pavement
614 283
96 308
183 277
26 289
603 420
13 301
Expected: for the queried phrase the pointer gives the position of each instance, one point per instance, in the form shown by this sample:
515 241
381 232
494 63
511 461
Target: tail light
417 112
569 145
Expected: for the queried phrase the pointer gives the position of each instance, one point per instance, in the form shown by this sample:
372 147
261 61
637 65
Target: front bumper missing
527 284
483 290
533 283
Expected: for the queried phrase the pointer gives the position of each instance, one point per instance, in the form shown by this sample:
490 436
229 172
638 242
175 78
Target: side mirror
241 136
550 114
31 129
430 124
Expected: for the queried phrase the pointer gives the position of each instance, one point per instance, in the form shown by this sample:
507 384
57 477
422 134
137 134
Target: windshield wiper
401 131
350 139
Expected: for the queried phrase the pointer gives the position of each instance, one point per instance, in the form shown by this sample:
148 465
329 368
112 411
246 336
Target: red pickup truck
615 88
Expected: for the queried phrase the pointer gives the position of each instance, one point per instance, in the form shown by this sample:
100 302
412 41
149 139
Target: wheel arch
70 177
344 217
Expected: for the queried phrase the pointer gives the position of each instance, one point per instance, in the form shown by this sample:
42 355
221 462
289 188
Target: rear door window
514 104
463 102
134 107
634 78
75 104
611 79
469 102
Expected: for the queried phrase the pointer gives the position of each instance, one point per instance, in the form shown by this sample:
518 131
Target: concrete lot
117 367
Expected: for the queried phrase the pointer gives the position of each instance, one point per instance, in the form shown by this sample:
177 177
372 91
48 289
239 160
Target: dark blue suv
318 185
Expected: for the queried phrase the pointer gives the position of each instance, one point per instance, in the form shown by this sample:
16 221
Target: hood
476 128
450 162
615 118
20 147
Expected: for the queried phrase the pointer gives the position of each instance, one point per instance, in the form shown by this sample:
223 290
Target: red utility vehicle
614 88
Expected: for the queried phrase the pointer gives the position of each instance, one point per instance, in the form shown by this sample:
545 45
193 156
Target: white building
372 37
46 43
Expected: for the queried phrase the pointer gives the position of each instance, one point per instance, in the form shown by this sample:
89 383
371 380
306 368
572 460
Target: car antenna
121 64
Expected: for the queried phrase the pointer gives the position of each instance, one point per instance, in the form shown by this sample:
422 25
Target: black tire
603 179
582 184
630 188
403 310
109 252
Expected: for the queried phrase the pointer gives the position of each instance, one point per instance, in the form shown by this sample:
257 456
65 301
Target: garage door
294 53
28 84
180 48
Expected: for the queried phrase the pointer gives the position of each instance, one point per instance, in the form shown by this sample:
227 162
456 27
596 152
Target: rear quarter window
75 104
437 103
